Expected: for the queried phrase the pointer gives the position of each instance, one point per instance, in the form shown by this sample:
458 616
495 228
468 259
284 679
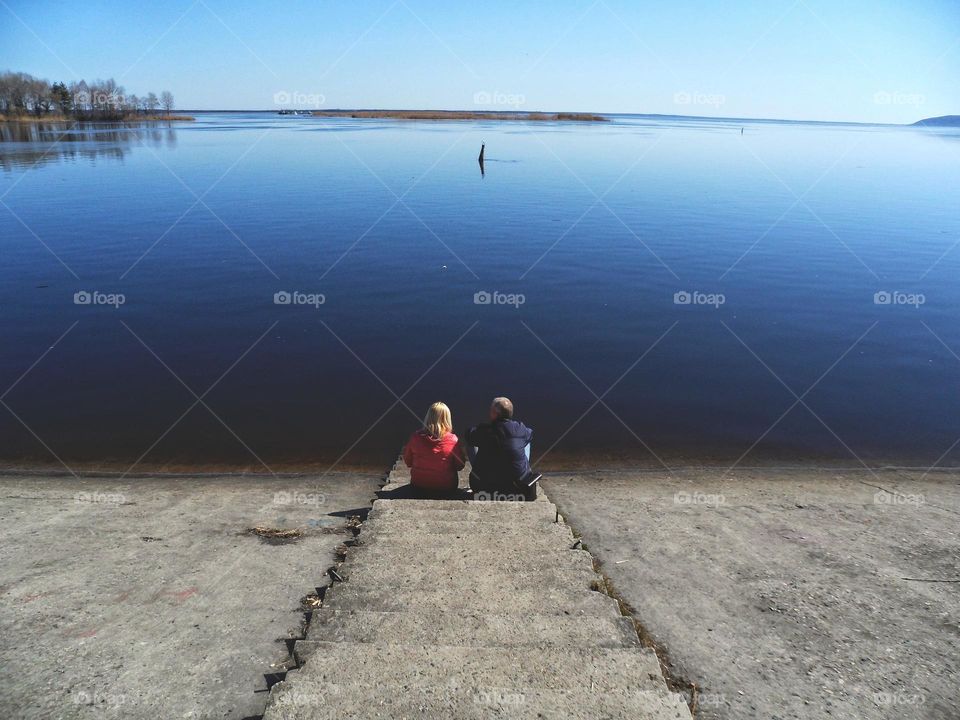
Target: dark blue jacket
501 459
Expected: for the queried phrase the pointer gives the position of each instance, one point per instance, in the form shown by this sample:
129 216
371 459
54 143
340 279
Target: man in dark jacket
499 453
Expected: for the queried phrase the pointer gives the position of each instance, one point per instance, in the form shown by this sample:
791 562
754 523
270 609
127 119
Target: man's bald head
501 409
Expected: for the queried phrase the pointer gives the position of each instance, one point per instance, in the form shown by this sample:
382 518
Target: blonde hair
438 421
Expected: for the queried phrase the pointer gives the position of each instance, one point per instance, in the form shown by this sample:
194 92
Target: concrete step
400 467
469 628
481 598
398 506
393 567
468 560
525 528
426 547
465 519
403 476
334 702
510 541
402 485
427 576
472 515
547 668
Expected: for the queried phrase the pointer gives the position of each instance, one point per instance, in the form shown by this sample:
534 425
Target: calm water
782 235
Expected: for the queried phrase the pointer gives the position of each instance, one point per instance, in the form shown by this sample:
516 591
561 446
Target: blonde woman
433 453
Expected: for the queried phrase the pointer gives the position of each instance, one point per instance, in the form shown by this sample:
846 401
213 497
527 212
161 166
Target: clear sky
860 60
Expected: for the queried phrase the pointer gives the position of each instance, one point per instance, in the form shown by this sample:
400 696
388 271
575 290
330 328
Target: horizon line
276 110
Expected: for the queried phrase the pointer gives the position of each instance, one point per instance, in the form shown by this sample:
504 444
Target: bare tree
80 95
15 92
23 94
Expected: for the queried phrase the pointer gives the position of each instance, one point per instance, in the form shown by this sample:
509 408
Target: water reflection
800 295
24 144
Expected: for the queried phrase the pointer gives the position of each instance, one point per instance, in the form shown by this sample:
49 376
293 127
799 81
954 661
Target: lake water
668 290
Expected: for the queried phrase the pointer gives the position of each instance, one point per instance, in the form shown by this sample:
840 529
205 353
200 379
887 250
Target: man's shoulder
516 428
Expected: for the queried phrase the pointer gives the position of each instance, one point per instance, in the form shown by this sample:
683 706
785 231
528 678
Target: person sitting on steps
433 454
499 452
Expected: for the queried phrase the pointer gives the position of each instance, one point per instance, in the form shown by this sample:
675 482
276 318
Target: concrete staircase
462 609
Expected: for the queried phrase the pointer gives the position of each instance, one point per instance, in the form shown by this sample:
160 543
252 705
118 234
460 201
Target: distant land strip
942 121
461 115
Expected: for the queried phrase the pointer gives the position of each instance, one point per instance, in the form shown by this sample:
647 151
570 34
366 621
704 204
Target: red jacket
433 463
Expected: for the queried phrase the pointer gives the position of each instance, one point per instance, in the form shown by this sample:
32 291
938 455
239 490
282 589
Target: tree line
22 94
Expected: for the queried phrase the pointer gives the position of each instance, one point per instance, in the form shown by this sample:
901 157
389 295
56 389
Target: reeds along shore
129 118
461 115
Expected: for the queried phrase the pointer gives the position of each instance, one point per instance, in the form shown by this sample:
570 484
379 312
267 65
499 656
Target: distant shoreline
511 115
461 115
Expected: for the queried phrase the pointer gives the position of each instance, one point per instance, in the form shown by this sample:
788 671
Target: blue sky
860 60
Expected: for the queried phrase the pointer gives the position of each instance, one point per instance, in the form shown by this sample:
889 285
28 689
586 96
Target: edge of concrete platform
675 681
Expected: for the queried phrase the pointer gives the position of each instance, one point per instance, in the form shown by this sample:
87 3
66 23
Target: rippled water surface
662 290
